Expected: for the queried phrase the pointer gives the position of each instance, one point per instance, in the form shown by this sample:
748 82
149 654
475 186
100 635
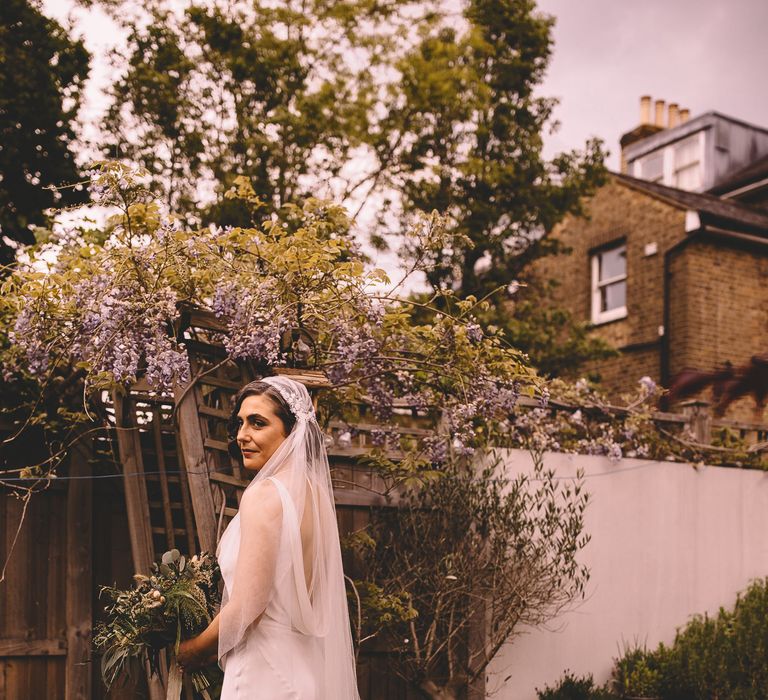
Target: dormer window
652 167
609 283
688 163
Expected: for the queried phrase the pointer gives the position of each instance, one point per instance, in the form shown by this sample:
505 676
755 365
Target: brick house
671 278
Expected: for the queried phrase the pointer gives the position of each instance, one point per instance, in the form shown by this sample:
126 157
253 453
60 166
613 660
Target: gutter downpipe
665 344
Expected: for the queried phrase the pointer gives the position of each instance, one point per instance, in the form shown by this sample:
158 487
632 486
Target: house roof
758 170
711 209
708 120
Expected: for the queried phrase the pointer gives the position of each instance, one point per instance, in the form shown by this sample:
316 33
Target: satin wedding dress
284 625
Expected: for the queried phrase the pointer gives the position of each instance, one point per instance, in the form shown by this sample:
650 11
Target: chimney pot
674 115
645 109
685 115
659 116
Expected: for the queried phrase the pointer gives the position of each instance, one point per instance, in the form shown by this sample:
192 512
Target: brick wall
718 293
617 212
718 309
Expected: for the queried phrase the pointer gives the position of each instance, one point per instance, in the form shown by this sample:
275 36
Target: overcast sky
703 54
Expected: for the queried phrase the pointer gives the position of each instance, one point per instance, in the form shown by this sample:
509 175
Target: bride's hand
201 650
189 657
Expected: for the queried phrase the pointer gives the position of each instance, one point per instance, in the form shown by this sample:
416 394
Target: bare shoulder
261 499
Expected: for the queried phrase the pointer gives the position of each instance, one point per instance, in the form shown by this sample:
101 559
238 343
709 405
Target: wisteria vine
292 290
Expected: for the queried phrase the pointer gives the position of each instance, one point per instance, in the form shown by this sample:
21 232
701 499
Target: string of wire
172 472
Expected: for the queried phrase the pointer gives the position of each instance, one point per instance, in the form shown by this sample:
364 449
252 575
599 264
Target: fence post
79 582
699 420
193 450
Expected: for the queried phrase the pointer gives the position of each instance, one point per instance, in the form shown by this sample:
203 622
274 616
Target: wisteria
108 326
27 335
474 332
167 362
436 447
351 347
292 290
254 325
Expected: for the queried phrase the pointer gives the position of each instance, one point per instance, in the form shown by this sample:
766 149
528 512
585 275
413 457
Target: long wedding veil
294 484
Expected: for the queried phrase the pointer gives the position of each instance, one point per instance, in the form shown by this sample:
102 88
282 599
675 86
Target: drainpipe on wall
692 227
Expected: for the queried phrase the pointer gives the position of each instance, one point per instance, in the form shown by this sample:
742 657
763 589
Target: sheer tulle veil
295 483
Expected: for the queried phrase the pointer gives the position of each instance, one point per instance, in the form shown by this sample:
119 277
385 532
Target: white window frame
659 156
599 316
693 145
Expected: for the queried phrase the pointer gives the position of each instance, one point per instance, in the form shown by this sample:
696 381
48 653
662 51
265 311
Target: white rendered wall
668 541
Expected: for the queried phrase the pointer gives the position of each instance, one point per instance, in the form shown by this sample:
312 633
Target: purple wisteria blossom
167 362
353 346
436 447
112 328
489 400
254 323
28 335
474 332
647 386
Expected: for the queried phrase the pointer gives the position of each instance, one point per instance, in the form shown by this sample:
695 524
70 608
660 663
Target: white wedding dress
273 660
284 630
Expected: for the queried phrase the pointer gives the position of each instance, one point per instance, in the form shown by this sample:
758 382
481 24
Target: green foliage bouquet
177 601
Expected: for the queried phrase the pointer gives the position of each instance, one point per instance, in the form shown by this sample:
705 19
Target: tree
271 92
557 344
475 556
436 107
42 72
474 146
471 131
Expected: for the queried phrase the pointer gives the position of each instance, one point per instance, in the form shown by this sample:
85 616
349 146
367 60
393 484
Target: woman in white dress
283 629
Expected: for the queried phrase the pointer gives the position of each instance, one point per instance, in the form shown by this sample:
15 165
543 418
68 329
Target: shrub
638 672
574 688
712 658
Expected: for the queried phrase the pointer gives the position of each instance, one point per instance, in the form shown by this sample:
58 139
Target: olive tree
464 562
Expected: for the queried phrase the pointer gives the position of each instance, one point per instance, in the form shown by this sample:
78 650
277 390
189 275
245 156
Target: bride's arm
201 650
260 526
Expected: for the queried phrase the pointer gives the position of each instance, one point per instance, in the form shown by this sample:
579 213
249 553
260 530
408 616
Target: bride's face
260 431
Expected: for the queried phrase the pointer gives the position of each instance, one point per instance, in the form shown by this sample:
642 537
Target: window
609 284
652 167
687 164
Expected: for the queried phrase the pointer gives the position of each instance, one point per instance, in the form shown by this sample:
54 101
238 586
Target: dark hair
257 388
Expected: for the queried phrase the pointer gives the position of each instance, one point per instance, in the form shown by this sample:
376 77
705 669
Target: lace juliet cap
295 395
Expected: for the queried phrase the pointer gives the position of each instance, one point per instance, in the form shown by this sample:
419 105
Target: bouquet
177 601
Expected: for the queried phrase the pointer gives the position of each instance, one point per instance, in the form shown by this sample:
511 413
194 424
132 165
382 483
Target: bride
283 629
